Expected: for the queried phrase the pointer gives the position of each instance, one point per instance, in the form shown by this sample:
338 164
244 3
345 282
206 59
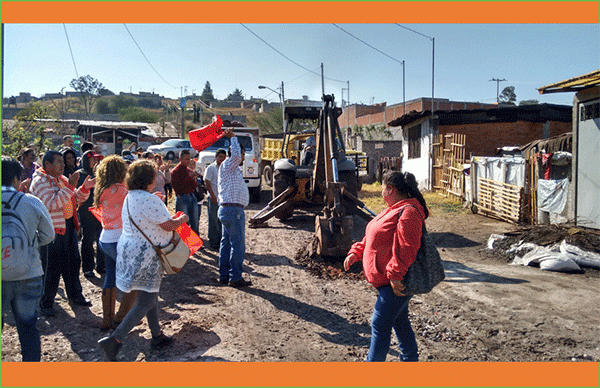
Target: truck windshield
223 142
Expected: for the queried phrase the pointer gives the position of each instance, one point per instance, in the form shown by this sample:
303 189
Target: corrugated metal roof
574 84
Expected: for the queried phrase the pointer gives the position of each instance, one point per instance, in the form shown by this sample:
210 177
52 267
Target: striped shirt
57 194
232 188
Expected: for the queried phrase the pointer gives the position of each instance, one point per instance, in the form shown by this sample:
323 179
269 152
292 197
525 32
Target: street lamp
282 98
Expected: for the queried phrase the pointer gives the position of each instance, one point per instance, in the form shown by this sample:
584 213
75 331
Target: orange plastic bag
206 136
189 237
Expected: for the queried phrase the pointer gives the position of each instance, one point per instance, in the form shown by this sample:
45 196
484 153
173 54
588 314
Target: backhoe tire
268 175
349 177
281 180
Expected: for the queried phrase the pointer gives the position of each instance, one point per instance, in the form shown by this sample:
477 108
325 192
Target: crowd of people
119 203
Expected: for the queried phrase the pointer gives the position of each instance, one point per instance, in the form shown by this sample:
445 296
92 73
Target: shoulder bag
172 256
426 271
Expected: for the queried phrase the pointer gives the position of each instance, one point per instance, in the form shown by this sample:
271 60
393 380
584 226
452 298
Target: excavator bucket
334 235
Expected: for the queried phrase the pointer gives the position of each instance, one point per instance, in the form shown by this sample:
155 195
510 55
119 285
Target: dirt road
486 310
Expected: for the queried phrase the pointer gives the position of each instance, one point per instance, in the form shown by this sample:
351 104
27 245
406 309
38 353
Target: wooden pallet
500 200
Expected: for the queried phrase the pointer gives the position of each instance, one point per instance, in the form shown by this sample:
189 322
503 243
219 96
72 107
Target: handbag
172 256
427 270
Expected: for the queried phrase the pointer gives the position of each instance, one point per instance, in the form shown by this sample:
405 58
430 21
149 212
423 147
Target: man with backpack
26 225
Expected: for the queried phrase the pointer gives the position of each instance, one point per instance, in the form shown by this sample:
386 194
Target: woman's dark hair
87 146
11 169
406 184
140 174
69 151
148 155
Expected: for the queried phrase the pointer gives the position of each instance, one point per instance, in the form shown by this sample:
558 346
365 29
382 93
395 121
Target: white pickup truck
248 138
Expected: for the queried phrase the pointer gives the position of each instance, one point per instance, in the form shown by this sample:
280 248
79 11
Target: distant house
484 130
586 144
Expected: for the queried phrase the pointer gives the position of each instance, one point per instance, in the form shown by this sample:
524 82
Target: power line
286 57
71 50
416 32
374 48
138 46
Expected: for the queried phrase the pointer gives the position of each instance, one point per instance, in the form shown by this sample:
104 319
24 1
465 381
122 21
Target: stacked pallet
500 200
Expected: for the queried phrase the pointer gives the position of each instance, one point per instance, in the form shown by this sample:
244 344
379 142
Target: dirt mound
328 268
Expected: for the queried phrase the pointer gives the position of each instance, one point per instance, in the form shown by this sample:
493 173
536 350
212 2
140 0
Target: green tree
508 96
237 95
207 94
103 106
373 132
137 114
27 131
269 122
528 102
122 102
88 89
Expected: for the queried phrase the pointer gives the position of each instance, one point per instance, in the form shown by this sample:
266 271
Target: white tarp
509 170
552 195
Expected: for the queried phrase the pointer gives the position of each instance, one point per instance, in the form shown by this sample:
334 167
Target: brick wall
483 139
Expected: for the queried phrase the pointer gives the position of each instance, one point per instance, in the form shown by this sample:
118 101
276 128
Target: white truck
248 138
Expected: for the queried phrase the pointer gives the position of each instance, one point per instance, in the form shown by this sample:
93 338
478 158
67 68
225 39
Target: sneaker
160 341
240 283
110 346
222 282
47 312
81 301
89 274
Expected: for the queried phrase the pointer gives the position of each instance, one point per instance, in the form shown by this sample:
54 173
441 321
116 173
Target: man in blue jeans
233 198
23 289
183 180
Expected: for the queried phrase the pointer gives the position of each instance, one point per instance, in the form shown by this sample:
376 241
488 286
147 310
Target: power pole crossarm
497 87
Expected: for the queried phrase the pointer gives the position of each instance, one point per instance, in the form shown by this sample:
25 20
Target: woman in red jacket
389 247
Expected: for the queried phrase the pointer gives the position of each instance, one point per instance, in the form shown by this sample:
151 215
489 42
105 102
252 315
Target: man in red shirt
183 180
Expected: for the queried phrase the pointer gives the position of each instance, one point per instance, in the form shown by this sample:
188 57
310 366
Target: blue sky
467 56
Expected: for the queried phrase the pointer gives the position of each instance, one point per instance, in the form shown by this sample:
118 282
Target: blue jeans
233 243
24 298
110 264
214 225
188 204
391 312
146 305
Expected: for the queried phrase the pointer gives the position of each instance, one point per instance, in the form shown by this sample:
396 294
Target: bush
137 114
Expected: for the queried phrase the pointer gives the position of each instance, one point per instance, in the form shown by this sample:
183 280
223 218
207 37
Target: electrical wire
138 46
374 48
416 32
71 50
286 57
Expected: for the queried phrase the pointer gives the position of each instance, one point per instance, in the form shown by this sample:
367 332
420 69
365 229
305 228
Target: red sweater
182 180
390 244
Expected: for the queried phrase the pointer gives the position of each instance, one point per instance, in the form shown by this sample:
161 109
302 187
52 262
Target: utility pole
497 87
282 108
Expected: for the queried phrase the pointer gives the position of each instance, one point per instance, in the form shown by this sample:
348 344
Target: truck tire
268 175
281 180
254 194
349 177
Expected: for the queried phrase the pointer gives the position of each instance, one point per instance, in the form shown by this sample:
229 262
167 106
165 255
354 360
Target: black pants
61 258
91 229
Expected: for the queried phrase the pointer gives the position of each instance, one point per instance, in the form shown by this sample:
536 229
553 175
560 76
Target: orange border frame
301 374
300 12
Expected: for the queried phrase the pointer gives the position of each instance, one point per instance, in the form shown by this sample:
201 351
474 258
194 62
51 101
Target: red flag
189 237
206 136
97 212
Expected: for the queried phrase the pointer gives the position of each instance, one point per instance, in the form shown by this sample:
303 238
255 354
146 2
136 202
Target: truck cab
251 166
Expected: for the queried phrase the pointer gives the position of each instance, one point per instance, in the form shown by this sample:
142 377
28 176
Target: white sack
579 256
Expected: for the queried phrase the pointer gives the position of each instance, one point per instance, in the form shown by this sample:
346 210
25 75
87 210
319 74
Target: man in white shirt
211 181
233 198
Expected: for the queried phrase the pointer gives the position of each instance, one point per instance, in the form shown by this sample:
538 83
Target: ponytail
406 184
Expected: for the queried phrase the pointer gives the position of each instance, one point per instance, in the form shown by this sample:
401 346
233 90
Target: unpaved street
486 310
